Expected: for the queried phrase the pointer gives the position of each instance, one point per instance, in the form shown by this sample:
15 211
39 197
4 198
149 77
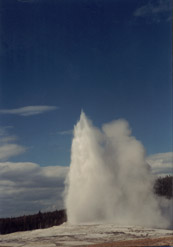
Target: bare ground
162 241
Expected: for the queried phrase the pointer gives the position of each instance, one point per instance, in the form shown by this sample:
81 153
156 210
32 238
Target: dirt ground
168 241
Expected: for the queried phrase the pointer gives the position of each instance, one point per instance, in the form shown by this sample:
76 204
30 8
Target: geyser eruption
109 180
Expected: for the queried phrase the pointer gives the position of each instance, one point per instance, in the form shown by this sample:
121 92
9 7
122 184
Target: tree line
31 222
163 186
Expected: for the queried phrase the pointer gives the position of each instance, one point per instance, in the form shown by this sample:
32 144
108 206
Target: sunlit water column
109 180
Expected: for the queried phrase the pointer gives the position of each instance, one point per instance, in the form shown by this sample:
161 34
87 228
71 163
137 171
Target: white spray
109 180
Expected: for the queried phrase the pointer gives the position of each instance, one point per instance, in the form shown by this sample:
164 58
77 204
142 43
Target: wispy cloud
65 132
5 137
9 150
157 10
8 139
27 188
8 147
161 163
29 110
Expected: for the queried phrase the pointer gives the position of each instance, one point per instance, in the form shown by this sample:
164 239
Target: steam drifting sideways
109 180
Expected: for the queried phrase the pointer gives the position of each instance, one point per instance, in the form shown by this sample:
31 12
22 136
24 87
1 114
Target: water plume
109 180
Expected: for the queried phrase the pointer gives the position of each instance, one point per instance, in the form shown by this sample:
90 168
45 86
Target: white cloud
161 163
66 132
156 10
5 137
27 188
8 139
29 110
9 150
7 147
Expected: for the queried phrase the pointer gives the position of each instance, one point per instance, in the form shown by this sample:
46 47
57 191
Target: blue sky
110 58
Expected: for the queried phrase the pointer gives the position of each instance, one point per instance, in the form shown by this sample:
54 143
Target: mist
109 180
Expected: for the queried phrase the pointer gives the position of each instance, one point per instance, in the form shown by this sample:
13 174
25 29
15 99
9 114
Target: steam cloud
109 180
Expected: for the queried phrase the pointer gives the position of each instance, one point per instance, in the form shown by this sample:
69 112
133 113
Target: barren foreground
168 241
95 235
